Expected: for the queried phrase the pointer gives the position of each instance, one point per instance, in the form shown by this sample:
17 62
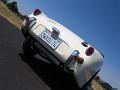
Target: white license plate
47 38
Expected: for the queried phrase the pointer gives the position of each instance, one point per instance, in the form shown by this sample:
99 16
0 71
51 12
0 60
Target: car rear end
41 28
63 47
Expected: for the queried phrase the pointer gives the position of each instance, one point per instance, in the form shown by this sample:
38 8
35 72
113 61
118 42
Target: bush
106 85
13 6
97 78
4 1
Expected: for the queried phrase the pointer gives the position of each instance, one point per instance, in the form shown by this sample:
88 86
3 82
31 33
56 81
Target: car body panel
70 42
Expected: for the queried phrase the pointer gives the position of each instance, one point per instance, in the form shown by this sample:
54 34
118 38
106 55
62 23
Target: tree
13 7
4 1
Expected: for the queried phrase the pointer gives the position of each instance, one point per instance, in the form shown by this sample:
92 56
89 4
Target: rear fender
84 72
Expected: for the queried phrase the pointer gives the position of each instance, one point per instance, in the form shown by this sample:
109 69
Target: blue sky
96 21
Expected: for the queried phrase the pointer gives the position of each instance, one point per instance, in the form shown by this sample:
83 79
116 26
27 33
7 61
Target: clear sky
96 21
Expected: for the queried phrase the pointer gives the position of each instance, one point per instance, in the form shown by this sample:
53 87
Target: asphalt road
20 72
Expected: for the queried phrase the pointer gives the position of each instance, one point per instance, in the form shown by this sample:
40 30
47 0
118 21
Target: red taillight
80 60
37 12
89 51
26 17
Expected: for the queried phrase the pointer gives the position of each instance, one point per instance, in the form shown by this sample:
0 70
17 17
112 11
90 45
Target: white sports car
61 47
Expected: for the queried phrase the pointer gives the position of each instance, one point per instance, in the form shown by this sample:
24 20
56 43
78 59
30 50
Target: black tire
28 48
26 34
88 85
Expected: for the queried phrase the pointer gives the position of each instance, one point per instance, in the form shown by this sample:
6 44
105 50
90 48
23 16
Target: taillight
89 51
37 12
80 60
26 17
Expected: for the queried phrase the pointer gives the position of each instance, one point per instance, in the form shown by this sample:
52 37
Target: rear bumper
55 60
59 56
62 52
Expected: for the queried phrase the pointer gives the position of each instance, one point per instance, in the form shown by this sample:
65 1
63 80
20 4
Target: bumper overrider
28 25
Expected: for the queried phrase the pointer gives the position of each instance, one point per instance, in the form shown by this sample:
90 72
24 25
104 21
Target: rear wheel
28 47
26 34
88 87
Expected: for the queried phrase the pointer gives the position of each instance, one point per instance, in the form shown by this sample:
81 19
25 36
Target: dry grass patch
10 16
96 86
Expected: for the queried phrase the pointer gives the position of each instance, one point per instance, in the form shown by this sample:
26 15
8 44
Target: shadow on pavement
56 79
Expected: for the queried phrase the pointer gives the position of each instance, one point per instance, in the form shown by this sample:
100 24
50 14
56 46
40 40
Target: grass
10 16
97 86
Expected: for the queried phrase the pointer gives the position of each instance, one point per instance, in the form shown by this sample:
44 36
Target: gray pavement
19 72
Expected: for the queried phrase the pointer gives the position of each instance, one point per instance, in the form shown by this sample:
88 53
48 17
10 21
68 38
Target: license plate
47 38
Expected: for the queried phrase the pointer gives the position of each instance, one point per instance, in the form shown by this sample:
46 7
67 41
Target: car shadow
55 78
